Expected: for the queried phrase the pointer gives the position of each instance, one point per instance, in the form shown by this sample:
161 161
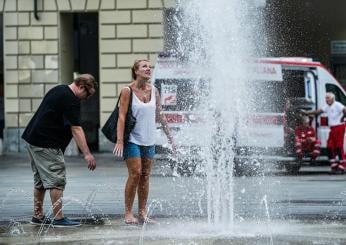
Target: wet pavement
306 209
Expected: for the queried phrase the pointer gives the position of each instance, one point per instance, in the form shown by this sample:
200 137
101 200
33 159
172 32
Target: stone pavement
313 194
99 192
273 209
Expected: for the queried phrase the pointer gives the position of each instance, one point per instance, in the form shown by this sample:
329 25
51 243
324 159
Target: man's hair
330 95
135 67
86 80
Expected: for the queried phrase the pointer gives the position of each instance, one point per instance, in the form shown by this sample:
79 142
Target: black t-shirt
50 127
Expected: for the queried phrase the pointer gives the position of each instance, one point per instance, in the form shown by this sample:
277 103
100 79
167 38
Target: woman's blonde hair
135 67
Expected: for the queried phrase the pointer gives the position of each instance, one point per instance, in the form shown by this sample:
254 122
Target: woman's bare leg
143 187
134 172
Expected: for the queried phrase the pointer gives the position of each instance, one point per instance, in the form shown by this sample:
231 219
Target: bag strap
130 103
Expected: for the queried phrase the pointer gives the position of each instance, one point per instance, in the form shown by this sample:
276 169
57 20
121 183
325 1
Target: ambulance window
339 94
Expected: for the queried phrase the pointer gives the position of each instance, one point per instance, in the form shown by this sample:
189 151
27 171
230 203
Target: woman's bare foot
130 220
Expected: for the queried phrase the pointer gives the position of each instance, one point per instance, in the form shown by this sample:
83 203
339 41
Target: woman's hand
118 149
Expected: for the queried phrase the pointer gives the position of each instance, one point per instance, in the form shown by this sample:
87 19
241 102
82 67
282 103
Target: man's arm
314 112
79 136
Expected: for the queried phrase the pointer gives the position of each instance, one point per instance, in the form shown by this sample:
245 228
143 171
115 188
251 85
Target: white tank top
144 131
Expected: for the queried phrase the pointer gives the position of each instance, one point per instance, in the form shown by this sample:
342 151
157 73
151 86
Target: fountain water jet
218 37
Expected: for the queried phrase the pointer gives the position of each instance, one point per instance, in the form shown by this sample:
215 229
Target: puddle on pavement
178 231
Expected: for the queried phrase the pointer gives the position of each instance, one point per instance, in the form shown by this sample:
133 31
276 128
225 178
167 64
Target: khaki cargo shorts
48 165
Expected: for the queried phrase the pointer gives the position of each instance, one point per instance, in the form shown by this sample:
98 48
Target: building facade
48 42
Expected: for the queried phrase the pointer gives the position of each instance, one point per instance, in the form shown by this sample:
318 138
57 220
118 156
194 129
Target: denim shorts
132 150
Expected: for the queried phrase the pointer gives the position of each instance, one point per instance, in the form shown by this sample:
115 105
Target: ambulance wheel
292 168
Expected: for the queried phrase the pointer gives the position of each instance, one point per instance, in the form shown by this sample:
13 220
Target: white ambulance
263 135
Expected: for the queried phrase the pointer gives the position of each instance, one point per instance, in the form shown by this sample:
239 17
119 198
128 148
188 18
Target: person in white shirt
335 144
138 151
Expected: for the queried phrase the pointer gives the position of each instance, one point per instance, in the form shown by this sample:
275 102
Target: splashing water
217 37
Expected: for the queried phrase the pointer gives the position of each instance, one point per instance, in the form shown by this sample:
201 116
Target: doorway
79 54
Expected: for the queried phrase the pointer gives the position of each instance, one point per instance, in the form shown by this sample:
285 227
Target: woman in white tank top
139 151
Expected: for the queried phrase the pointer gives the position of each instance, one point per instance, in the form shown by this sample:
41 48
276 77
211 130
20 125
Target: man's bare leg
38 202
56 198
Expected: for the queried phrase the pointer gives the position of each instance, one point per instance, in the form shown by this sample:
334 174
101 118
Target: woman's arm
123 108
162 119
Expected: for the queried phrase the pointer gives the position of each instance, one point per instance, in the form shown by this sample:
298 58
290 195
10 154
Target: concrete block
44 47
108 90
64 5
10 33
10 5
132 31
107 104
50 5
10 62
147 45
35 104
30 33
24 76
93 4
113 75
11 91
108 4
78 5
127 60
155 30
115 17
147 16
11 105
11 120
30 90
45 76
23 19
30 62
115 46
155 4
10 19
50 32
46 18
24 105
51 62
2 5
107 31
24 119
120 87
133 4
11 77
107 60
25 5
48 87
10 47
23 47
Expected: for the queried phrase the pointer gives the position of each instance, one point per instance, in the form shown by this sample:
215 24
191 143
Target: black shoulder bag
110 127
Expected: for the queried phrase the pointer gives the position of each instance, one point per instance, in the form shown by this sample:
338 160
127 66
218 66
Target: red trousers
303 147
335 143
